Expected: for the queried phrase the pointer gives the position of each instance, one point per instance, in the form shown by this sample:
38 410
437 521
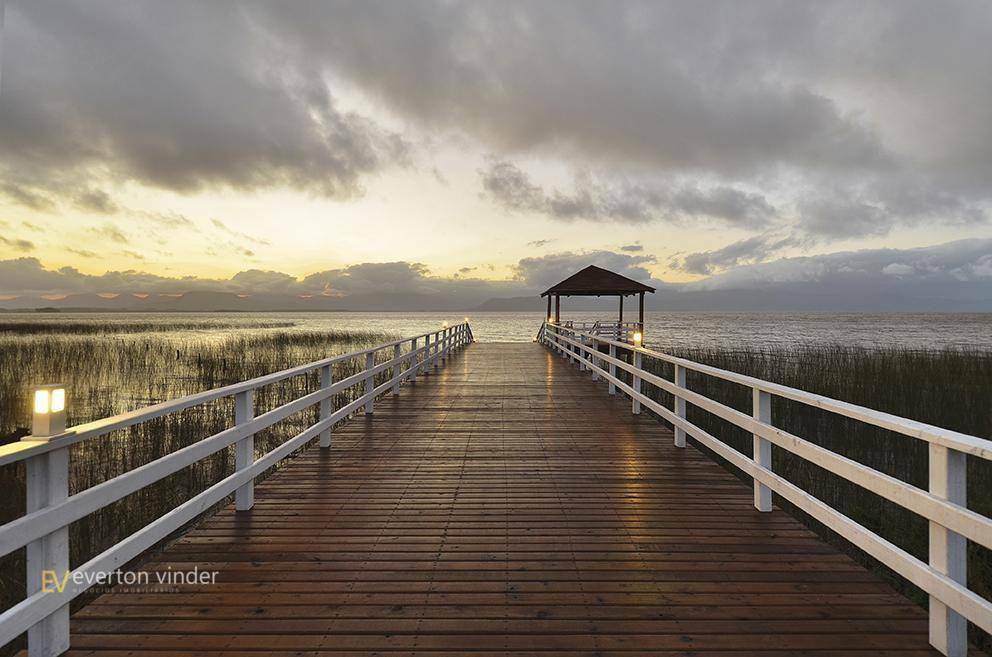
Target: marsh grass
56 327
946 388
107 375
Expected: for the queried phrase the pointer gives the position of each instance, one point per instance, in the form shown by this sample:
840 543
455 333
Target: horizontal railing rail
614 329
50 510
944 505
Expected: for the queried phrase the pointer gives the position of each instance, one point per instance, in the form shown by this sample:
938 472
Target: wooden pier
505 505
454 498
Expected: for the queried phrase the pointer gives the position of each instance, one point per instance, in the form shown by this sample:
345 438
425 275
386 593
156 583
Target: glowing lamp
466 320
444 324
637 338
49 411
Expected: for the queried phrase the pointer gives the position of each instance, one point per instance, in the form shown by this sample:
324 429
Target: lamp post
47 477
49 411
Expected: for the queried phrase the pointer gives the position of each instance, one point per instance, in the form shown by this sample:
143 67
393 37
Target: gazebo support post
548 316
640 312
557 309
621 311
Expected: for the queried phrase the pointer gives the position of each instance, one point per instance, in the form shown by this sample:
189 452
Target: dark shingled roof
595 281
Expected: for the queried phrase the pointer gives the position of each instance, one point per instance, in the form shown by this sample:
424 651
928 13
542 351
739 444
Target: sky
492 148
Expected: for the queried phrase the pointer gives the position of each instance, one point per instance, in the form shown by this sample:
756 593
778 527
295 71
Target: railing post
413 361
613 369
369 381
438 345
635 403
948 550
326 405
594 357
394 372
244 454
762 408
425 362
679 405
47 483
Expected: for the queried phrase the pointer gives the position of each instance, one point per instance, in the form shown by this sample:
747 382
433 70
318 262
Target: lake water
690 329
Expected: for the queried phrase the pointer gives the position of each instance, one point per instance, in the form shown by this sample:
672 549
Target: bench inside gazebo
595 281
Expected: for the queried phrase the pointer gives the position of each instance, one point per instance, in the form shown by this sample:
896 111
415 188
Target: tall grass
106 375
947 388
58 327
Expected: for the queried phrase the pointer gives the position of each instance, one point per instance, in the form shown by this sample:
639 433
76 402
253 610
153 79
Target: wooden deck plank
505 505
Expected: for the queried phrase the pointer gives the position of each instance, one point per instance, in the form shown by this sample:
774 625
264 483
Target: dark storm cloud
175 95
595 199
670 84
868 115
805 98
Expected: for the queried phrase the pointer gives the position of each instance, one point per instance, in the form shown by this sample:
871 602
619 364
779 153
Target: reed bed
946 388
107 375
58 327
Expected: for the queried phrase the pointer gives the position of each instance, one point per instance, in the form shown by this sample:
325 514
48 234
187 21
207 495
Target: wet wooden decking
505 505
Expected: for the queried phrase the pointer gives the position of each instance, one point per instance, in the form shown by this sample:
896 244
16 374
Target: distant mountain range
792 297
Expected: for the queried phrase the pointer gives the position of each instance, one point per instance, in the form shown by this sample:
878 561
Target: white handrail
44 613
952 524
25 448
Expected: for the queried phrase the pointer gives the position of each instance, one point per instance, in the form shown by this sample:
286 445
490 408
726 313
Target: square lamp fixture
48 418
637 338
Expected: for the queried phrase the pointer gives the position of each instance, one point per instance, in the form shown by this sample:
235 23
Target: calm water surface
691 329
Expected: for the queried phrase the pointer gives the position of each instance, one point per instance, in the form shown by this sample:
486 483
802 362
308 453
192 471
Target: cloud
877 206
96 201
110 232
943 268
661 83
746 251
597 199
544 271
727 110
539 243
787 102
632 248
217 223
29 198
935 276
84 253
182 97
17 244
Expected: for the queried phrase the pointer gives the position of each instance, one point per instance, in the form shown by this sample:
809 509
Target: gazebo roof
596 281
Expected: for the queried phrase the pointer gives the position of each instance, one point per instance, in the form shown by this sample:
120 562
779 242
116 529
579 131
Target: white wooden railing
614 330
44 614
944 505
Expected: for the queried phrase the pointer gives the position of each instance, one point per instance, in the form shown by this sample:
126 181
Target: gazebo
595 281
